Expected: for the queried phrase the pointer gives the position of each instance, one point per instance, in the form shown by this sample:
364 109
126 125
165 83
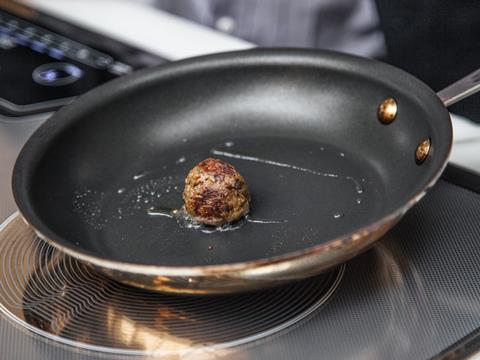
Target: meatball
215 193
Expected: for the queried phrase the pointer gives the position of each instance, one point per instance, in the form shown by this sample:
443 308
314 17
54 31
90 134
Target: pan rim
251 267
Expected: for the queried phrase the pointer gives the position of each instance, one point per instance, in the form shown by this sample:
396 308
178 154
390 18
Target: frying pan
334 148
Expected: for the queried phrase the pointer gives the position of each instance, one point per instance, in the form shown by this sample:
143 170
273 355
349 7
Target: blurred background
436 40
97 40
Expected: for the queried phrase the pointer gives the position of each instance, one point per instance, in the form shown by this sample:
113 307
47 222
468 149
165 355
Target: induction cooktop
46 62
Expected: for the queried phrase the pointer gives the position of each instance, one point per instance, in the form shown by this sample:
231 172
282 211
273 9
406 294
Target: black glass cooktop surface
46 62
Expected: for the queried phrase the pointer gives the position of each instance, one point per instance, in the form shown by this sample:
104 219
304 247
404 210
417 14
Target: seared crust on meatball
215 193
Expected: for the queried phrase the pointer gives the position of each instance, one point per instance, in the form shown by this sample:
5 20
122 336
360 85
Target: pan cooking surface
303 193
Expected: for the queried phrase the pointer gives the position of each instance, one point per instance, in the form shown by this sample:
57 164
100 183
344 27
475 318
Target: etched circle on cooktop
67 301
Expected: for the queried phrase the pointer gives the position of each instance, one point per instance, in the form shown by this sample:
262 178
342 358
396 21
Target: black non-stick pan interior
300 126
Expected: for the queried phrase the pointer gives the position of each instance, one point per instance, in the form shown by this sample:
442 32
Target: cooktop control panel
42 68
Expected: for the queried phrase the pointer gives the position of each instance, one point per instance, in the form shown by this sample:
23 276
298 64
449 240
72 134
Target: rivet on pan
387 111
423 149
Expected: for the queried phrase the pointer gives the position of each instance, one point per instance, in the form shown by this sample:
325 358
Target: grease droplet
258 221
121 191
181 160
161 211
210 247
338 215
359 201
229 143
139 175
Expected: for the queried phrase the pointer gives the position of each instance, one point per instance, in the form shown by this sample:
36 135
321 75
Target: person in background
350 26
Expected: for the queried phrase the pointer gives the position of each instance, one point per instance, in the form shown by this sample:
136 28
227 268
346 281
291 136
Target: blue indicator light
38 46
21 39
56 53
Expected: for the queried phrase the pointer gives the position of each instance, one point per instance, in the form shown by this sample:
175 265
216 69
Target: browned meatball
215 193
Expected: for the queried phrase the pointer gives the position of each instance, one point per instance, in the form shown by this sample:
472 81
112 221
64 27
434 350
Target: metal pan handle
461 89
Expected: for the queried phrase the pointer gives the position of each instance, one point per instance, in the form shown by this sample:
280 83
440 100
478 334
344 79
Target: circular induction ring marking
62 299
56 74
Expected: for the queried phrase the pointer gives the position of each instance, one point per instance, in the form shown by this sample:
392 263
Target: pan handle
460 89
